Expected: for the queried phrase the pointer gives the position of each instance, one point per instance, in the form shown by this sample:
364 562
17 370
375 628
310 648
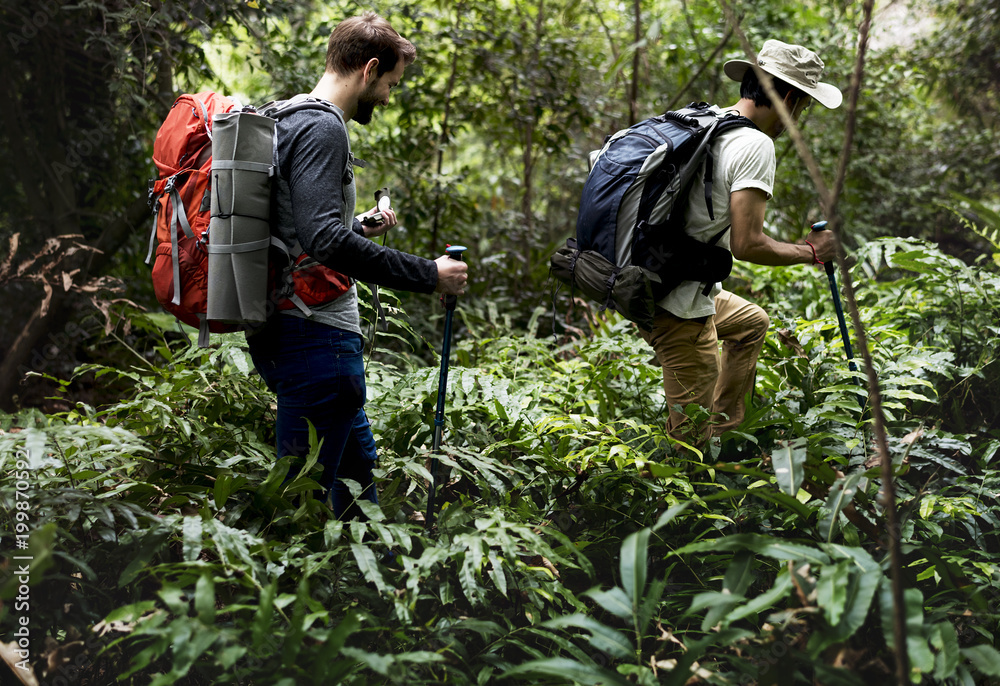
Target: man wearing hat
691 322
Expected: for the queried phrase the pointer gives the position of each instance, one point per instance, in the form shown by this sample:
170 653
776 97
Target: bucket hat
794 65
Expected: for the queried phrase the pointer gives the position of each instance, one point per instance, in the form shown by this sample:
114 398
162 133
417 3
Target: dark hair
752 89
357 40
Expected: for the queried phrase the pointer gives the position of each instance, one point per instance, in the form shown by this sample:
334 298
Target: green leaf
223 488
984 658
650 603
718 605
151 544
865 575
634 552
762 545
789 502
567 670
921 658
831 591
191 533
332 532
204 599
275 477
229 656
369 566
841 494
263 615
468 573
603 638
239 358
788 462
614 601
908 260
765 601
497 573
945 639
670 514
339 634
739 574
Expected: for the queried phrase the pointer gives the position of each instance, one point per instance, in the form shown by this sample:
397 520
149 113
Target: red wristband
816 260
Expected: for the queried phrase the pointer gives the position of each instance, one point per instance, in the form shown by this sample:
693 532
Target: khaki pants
695 372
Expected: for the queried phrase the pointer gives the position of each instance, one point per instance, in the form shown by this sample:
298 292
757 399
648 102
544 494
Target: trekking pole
831 275
450 301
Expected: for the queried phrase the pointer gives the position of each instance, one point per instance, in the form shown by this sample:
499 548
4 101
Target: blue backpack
631 248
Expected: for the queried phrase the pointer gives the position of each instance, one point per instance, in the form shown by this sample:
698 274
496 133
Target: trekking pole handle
455 252
828 265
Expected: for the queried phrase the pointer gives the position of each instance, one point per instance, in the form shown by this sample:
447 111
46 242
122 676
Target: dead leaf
11 654
43 309
913 436
67 279
5 267
103 628
789 340
668 636
60 655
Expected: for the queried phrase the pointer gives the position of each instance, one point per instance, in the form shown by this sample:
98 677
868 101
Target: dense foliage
577 544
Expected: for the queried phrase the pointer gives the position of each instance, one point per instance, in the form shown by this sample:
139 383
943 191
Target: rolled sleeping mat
239 229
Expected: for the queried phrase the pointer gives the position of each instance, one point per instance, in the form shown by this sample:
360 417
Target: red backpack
181 201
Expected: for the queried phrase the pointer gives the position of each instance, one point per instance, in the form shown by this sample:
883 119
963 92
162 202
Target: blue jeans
318 374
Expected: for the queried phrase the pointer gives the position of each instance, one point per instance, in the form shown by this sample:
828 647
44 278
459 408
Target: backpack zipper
652 140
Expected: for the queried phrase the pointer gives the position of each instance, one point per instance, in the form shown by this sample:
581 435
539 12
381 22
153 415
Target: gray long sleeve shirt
314 205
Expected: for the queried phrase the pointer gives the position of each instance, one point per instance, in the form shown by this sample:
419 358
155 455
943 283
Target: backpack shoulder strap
726 122
278 109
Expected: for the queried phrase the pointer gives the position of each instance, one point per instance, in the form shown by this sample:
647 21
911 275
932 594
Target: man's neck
758 115
339 90
766 118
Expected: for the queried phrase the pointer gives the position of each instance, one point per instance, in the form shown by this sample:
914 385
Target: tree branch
829 201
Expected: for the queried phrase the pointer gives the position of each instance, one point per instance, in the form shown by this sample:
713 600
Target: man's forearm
772 253
749 243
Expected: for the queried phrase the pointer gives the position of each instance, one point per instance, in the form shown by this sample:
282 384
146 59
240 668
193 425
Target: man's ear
370 70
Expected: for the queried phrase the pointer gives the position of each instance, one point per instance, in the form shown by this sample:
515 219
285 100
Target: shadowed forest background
578 543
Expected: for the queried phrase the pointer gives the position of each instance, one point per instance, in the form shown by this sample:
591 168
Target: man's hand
825 243
388 221
452 276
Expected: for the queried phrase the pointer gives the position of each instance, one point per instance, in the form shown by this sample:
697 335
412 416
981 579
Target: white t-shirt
744 158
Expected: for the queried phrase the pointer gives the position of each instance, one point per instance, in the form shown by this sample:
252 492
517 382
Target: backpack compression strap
177 217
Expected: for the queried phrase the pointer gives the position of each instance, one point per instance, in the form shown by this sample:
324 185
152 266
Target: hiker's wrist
812 257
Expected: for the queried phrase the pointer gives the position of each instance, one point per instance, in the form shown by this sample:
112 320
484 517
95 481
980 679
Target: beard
366 106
